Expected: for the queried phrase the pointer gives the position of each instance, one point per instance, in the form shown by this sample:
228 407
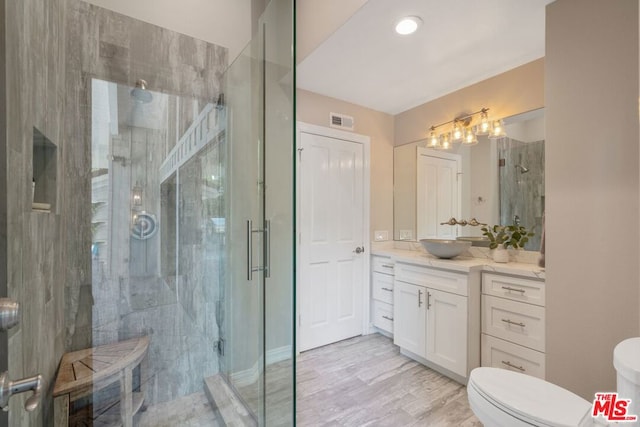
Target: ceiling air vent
340 121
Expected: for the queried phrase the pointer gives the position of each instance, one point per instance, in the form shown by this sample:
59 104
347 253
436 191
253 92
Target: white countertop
462 264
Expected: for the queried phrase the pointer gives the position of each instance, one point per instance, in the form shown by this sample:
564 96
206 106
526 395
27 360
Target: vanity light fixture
497 130
408 25
462 131
469 137
485 125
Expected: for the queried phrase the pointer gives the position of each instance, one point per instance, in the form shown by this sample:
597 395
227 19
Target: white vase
500 254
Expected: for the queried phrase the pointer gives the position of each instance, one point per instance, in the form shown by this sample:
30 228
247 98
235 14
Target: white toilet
501 398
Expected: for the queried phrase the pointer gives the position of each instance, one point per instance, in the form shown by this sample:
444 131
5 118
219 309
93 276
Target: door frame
365 141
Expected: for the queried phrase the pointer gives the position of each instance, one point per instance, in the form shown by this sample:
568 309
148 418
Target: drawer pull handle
511 365
388 318
387 265
509 288
419 298
387 289
428 300
511 322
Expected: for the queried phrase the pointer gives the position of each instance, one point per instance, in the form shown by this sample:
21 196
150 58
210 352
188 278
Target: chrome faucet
8 388
452 221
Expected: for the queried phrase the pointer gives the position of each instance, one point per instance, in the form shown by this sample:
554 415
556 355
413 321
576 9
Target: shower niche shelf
45 172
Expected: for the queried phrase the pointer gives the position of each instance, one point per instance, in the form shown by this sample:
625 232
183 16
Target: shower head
140 93
523 169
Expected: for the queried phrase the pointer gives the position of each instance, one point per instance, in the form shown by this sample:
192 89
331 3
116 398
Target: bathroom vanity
447 314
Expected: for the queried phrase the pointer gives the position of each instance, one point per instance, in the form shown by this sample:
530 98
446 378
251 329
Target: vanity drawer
383 316
514 288
382 287
513 321
432 278
498 353
382 265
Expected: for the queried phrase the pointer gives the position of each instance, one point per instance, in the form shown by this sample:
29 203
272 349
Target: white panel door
410 317
331 220
438 194
447 330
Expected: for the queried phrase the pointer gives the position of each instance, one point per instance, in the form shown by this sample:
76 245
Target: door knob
9 313
359 250
8 388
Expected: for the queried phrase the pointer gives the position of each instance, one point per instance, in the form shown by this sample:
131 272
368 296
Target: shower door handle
249 250
267 235
267 248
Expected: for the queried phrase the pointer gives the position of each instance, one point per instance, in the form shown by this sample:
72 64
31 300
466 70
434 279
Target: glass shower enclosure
192 237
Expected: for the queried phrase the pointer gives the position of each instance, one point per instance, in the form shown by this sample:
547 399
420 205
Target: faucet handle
452 221
9 388
474 222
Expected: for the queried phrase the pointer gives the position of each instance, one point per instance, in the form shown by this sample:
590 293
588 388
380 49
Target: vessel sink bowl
445 248
475 240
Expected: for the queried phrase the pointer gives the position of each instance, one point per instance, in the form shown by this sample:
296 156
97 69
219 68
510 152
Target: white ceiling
461 42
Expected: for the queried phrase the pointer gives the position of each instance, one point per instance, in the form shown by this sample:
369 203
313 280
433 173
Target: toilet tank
626 360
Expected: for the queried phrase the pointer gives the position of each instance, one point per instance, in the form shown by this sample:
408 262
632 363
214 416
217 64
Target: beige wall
314 109
318 19
592 189
509 93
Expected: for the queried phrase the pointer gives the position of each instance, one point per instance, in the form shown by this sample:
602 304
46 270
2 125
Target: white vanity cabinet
382 293
513 323
434 319
410 314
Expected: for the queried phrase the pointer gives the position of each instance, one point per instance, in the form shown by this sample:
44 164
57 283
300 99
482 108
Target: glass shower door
258 329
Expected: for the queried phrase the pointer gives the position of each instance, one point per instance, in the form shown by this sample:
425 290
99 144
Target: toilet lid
529 398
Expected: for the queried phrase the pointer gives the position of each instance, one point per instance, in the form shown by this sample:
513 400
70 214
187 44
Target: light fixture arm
462 119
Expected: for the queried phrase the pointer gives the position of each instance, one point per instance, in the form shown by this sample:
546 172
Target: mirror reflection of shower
521 179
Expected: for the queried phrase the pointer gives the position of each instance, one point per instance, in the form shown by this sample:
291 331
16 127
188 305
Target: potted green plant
501 237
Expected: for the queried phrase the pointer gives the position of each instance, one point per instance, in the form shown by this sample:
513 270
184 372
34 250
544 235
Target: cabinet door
409 314
447 330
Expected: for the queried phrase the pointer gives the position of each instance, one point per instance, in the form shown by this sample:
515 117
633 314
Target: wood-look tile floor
365 381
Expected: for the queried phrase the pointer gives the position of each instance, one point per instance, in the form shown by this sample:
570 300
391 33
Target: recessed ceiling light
408 25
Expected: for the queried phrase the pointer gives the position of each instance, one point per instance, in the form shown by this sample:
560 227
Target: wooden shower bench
85 372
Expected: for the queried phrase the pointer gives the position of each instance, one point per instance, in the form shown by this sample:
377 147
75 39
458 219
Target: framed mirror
501 181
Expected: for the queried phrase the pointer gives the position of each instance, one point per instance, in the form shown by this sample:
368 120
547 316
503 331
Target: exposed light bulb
469 137
456 133
433 138
485 125
497 130
445 141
